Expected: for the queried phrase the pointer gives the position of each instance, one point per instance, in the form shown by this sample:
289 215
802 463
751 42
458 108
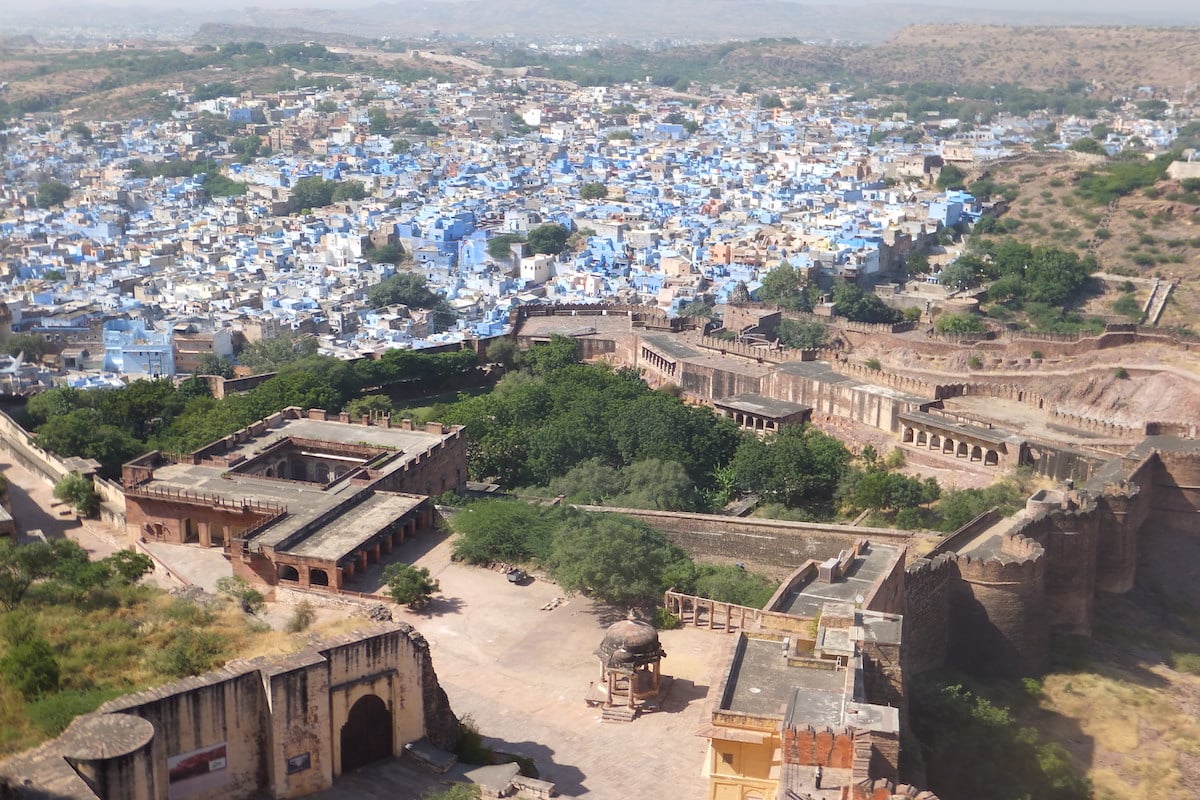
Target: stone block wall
775 547
997 612
927 588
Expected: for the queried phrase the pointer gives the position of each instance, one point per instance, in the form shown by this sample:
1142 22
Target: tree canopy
539 424
52 193
500 247
403 288
550 239
799 465
859 306
593 190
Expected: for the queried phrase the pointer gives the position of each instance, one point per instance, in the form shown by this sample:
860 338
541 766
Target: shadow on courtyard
568 779
31 514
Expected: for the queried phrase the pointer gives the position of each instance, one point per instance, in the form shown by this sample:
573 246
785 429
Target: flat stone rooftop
864 571
608 326
762 684
343 534
761 405
340 433
670 345
306 502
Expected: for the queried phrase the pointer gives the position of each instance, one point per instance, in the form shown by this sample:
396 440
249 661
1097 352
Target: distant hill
619 20
1117 58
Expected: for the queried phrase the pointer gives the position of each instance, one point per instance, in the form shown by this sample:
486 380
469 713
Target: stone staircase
618 714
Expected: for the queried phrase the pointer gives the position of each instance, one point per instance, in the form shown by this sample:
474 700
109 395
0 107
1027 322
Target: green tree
504 352
348 190
549 239
503 530
950 177
500 247
859 306
401 146
613 558
371 404
917 264
311 192
379 123
33 345
268 355
803 334
962 274
403 288
213 364
798 464
959 323
81 130
128 567
22 565
1088 145
52 193
593 190
781 285
560 352
79 491
408 585
657 484
386 254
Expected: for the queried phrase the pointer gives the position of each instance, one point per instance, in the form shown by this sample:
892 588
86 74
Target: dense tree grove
611 557
116 425
538 425
797 466
549 239
1021 273
858 306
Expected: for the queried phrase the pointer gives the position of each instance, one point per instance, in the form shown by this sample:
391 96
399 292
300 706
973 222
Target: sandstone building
275 727
298 499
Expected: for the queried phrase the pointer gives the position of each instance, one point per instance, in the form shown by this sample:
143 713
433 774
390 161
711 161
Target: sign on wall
198 771
298 763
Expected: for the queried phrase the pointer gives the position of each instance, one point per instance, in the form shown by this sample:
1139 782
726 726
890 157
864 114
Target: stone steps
618 714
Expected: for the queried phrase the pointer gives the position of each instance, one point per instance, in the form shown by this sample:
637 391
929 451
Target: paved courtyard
520 673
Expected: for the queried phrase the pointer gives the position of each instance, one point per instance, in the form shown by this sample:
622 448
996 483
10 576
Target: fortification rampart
997 611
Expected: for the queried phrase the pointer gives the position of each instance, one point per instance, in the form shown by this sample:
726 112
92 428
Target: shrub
191 653
1120 373
302 617
1186 662
459 791
31 668
52 713
79 492
251 599
1036 354
666 621
470 748
873 363
975 362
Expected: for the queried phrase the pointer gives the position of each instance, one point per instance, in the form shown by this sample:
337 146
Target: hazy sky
1182 10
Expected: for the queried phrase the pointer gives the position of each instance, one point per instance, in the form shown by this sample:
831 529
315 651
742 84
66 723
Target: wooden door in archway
367 734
